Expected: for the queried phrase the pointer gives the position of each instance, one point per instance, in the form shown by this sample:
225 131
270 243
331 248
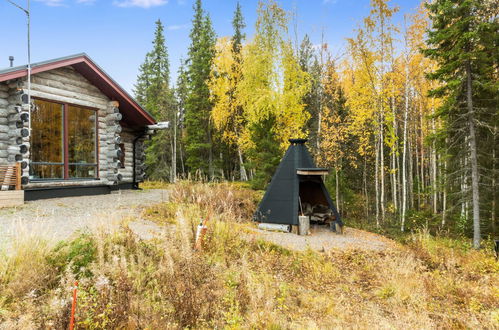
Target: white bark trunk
474 160
404 151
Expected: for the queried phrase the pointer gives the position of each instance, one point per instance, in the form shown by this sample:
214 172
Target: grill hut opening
297 189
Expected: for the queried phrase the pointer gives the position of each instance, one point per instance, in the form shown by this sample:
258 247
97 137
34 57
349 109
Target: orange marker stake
73 308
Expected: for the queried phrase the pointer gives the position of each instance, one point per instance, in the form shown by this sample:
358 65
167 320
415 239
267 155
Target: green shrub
78 254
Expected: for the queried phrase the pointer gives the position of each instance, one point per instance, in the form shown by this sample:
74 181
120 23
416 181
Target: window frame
65 138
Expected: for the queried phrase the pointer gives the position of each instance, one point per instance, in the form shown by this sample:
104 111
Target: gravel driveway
322 239
56 219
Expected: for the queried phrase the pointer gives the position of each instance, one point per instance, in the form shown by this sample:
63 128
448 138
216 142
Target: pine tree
198 126
462 42
153 92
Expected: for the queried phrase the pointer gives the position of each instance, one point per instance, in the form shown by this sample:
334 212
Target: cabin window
63 141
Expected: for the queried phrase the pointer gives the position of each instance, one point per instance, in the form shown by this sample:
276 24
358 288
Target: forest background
406 118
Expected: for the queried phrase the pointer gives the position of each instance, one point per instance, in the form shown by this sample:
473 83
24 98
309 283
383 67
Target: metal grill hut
296 180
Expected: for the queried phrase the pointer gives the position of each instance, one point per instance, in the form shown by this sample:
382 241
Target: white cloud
177 27
140 3
85 2
52 3
325 2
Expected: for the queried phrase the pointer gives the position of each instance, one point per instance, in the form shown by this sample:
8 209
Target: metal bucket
304 225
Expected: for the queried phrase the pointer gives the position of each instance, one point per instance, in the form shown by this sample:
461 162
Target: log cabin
81 134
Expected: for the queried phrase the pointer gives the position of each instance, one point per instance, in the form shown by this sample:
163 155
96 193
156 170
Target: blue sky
118 33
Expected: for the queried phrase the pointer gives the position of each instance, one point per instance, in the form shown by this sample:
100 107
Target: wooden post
18 176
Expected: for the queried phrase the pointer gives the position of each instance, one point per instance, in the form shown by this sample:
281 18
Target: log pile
318 212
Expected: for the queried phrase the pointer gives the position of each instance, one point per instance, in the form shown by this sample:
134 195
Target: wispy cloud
52 3
177 27
140 3
85 2
325 2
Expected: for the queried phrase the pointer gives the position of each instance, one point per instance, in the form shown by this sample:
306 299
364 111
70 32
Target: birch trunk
474 160
444 198
376 181
493 206
337 190
421 139
434 169
366 196
404 151
244 176
382 168
393 156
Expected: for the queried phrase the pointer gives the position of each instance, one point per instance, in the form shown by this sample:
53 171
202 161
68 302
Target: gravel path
58 218
322 239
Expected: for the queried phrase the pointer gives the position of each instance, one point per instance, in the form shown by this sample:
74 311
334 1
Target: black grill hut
297 181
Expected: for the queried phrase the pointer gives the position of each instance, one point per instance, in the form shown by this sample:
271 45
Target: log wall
67 86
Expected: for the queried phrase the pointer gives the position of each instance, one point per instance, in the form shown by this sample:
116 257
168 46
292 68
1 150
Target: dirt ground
322 239
56 219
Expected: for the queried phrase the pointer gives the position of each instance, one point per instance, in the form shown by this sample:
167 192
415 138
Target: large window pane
81 142
43 171
82 171
47 140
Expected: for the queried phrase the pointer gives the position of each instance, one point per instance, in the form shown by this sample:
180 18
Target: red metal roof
134 115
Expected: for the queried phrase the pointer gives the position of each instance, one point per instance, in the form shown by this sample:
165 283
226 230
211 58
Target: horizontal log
114 117
17 84
4 102
13 158
22 132
65 99
115 177
69 94
54 82
20 149
4 94
24 180
18 99
14 109
68 79
114 153
114 129
4 87
24 116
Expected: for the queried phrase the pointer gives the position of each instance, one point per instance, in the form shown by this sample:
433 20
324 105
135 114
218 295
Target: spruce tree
461 42
198 127
181 93
153 91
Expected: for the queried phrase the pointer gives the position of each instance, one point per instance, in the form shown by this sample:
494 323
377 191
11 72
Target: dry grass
129 283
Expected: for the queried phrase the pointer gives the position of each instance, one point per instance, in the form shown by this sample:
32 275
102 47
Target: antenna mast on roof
27 12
